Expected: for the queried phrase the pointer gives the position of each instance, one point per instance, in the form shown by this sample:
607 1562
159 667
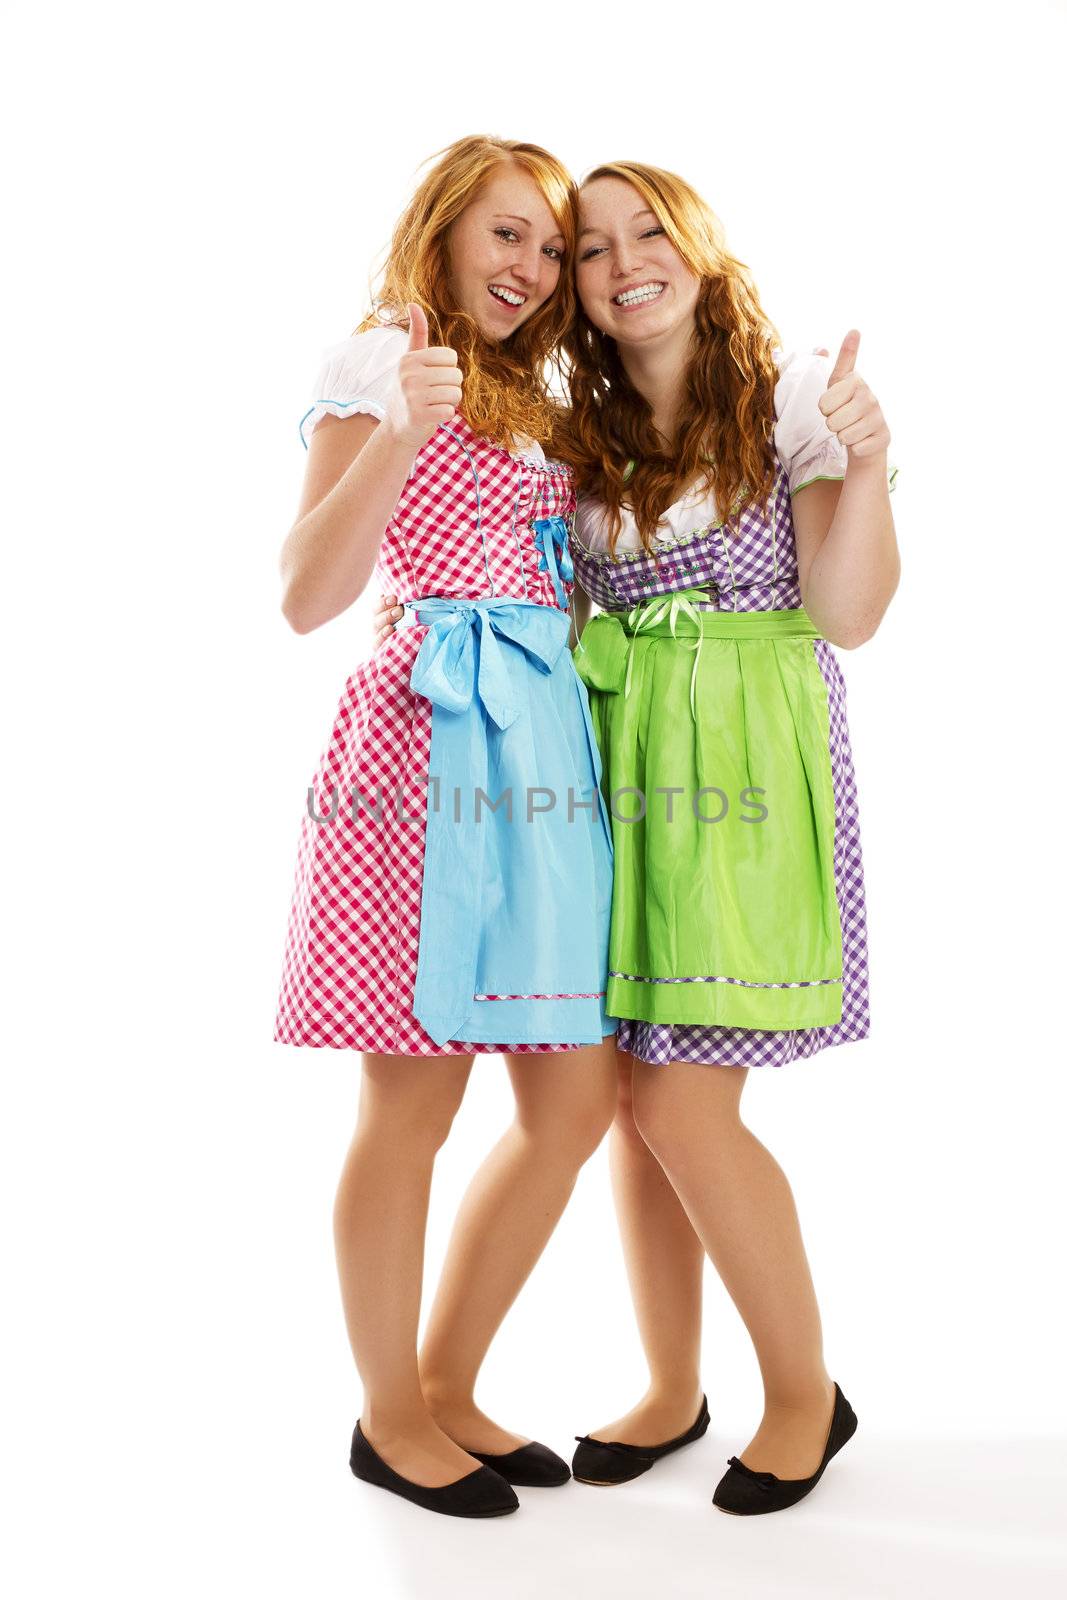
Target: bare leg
563 1105
665 1265
740 1203
406 1106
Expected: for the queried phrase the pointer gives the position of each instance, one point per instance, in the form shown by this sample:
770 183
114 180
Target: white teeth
509 295
647 291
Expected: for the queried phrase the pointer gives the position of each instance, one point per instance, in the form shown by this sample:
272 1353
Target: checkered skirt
754 569
462 528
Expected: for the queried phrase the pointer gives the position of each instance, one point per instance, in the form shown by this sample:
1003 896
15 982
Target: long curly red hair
505 384
725 431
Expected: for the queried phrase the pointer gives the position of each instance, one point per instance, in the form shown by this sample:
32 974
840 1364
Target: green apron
714 734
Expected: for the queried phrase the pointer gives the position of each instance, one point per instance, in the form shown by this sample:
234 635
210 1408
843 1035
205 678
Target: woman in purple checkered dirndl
701 967
753 571
733 524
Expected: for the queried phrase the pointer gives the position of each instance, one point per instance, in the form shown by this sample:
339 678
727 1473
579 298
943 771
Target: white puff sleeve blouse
354 376
806 447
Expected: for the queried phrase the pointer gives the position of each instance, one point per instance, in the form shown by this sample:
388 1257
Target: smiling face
632 283
504 253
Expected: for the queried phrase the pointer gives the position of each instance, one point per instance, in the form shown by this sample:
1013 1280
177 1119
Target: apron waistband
611 636
447 608
678 612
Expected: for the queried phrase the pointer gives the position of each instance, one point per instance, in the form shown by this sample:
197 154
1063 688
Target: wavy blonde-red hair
505 384
725 430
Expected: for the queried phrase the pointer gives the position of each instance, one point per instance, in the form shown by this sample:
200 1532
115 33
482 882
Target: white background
197 197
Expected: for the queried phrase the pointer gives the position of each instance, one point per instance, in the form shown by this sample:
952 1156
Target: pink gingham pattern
461 528
752 570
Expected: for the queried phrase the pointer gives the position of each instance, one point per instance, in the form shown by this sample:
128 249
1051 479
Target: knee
434 1124
573 1129
673 1132
662 1132
593 1121
417 1123
648 1113
625 1125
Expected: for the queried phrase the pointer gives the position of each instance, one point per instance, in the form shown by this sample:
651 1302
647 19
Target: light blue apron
516 899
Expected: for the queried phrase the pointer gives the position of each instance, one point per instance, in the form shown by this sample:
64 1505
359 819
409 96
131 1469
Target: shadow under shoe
481 1493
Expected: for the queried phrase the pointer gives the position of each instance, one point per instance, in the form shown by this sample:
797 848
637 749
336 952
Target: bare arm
356 472
847 554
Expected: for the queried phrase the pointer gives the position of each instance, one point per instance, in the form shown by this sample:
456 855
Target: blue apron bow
462 667
550 537
461 653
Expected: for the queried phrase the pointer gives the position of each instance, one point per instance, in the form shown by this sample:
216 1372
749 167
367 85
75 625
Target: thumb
846 357
418 327
820 351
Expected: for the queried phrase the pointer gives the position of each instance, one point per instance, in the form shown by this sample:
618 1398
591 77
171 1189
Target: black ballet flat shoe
531 1466
482 1493
747 1493
608 1461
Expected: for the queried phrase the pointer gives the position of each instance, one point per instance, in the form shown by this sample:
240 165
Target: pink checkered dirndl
464 528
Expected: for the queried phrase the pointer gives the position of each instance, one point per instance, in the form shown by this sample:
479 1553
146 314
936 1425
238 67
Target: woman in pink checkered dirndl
453 878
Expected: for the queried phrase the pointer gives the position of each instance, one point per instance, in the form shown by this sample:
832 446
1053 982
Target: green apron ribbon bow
608 665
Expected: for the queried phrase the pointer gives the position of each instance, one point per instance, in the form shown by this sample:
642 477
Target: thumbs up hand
850 409
428 385
418 327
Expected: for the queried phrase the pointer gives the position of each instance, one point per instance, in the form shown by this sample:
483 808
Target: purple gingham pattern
754 569
757 572
461 528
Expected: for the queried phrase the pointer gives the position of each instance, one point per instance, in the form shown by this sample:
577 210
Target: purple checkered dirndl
754 569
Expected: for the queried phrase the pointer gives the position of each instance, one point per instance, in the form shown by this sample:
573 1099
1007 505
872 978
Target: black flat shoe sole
504 1511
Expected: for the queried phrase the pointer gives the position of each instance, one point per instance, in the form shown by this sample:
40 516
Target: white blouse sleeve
806 447
354 376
